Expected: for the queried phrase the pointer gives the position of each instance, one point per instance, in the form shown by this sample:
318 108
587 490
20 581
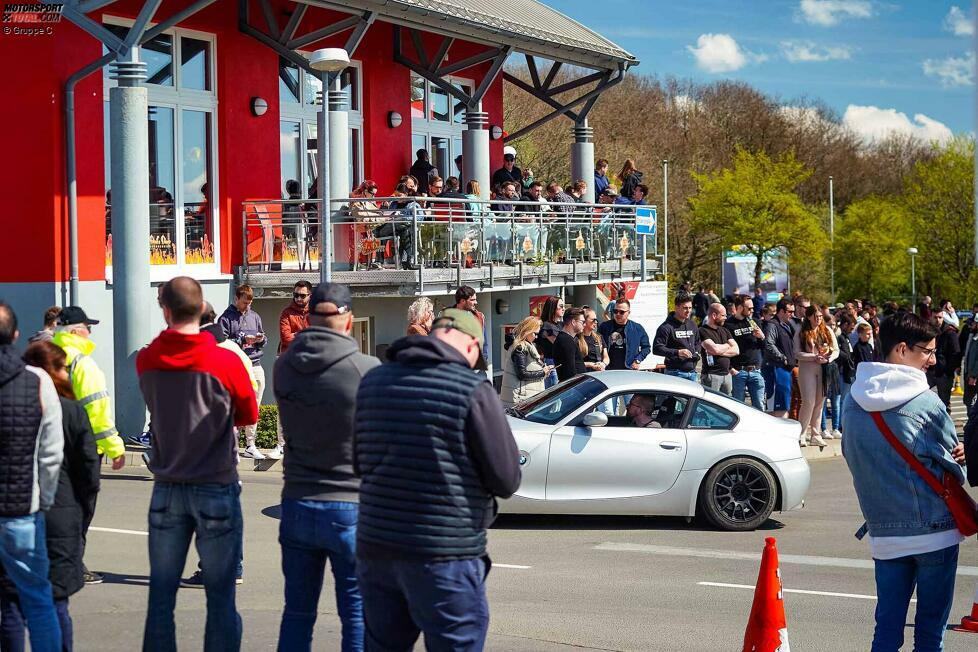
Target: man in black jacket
948 356
746 366
316 381
567 354
678 341
422 170
433 450
779 358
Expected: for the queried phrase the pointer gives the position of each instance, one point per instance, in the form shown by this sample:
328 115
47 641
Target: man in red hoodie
196 393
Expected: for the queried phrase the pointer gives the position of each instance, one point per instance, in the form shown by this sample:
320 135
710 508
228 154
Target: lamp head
329 60
912 251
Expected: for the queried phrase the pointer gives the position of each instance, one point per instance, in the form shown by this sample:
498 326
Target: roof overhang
563 40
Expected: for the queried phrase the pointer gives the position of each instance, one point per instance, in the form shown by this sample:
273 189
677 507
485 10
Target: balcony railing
441 237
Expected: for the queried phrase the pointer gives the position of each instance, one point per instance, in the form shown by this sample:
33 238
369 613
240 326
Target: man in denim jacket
912 536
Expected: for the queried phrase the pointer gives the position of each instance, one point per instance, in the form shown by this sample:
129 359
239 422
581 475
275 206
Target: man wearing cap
433 450
316 382
509 172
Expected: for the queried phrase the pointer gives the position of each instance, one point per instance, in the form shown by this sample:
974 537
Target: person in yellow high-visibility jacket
88 381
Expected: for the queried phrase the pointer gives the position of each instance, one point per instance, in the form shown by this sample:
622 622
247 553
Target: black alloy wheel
738 494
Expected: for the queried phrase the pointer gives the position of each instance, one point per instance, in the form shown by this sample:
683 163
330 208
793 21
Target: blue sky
905 66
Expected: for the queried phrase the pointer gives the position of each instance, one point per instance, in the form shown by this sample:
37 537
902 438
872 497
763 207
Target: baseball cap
74 315
466 322
509 150
335 293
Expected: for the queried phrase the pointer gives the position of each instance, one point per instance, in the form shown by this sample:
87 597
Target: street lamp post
665 218
913 277
832 237
328 62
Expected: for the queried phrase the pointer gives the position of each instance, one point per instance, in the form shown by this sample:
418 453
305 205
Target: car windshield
553 405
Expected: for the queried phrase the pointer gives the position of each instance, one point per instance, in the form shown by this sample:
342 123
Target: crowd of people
397 493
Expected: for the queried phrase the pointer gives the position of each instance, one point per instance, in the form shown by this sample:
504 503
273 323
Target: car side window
711 417
644 410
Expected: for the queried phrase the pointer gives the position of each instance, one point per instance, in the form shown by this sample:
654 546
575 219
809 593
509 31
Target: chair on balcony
265 239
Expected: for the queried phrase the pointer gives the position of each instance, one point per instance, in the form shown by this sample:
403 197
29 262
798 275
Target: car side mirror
595 420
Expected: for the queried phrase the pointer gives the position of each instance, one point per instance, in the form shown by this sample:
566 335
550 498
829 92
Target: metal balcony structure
396 246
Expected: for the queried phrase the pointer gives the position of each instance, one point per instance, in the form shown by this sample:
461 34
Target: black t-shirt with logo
594 348
751 348
616 348
720 363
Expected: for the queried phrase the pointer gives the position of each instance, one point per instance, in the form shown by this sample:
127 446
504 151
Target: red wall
34 219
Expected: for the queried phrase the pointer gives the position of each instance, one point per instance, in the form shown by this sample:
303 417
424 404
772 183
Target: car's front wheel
738 494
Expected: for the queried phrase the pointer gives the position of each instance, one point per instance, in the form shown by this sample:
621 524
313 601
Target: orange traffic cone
970 623
767 629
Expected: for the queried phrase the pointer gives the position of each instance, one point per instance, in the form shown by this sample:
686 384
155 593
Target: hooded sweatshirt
316 381
196 393
919 421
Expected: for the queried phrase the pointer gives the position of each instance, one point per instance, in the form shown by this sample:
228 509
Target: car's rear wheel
738 494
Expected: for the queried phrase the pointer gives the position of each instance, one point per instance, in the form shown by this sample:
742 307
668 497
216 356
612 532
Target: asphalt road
557 583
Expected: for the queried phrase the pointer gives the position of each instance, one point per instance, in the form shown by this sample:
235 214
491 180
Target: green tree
754 205
939 195
871 249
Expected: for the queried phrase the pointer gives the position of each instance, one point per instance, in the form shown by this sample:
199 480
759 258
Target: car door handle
670 445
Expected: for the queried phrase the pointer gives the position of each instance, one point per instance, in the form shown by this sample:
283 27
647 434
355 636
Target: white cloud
795 51
958 23
952 71
721 53
830 12
873 123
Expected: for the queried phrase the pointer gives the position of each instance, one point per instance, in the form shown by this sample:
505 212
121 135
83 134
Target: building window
182 147
298 127
437 121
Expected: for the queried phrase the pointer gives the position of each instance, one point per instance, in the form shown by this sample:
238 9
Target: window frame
181 99
575 421
695 404
428 128
307 114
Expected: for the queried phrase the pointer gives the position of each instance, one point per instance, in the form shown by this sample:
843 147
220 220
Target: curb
134 459
815 453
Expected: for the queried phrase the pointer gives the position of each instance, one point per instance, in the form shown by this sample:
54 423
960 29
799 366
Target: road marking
804 560
831 594
117 531
495 565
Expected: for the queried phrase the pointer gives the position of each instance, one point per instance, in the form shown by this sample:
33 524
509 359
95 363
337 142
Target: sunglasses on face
621 312
299 295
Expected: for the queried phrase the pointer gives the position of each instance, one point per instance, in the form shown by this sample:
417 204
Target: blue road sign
645 220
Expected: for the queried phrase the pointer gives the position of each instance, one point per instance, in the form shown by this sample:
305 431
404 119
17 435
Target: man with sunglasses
433 451
626 340
295 316
779 357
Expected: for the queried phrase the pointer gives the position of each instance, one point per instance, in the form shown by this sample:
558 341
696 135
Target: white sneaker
276 453
837 433
801 441
827 434
253 452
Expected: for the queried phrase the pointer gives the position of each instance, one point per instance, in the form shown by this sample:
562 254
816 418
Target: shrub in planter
267 435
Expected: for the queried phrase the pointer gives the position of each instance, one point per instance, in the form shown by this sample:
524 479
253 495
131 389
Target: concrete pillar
582 157
130 236
475 150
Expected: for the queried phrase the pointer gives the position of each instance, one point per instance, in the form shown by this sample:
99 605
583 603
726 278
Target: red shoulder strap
907 456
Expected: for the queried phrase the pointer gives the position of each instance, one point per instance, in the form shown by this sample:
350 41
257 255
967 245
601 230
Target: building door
362 334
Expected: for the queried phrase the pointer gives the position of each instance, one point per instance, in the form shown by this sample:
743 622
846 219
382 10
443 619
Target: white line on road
516 566
805 560
117 531
831 594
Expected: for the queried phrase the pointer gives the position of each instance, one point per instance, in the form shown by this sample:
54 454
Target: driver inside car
642 411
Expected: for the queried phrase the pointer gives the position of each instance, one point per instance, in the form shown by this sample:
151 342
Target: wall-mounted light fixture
502 306
259 106
394 119
495 132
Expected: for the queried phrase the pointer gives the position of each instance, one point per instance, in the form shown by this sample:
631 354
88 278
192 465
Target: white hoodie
881 386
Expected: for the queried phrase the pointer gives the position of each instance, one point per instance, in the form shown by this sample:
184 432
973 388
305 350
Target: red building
231 119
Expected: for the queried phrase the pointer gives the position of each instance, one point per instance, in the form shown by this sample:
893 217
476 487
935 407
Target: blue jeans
12 625
404 597
312 532
777 384
24 555
835 404
178 512
933 575
753 382
550 379
688 375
